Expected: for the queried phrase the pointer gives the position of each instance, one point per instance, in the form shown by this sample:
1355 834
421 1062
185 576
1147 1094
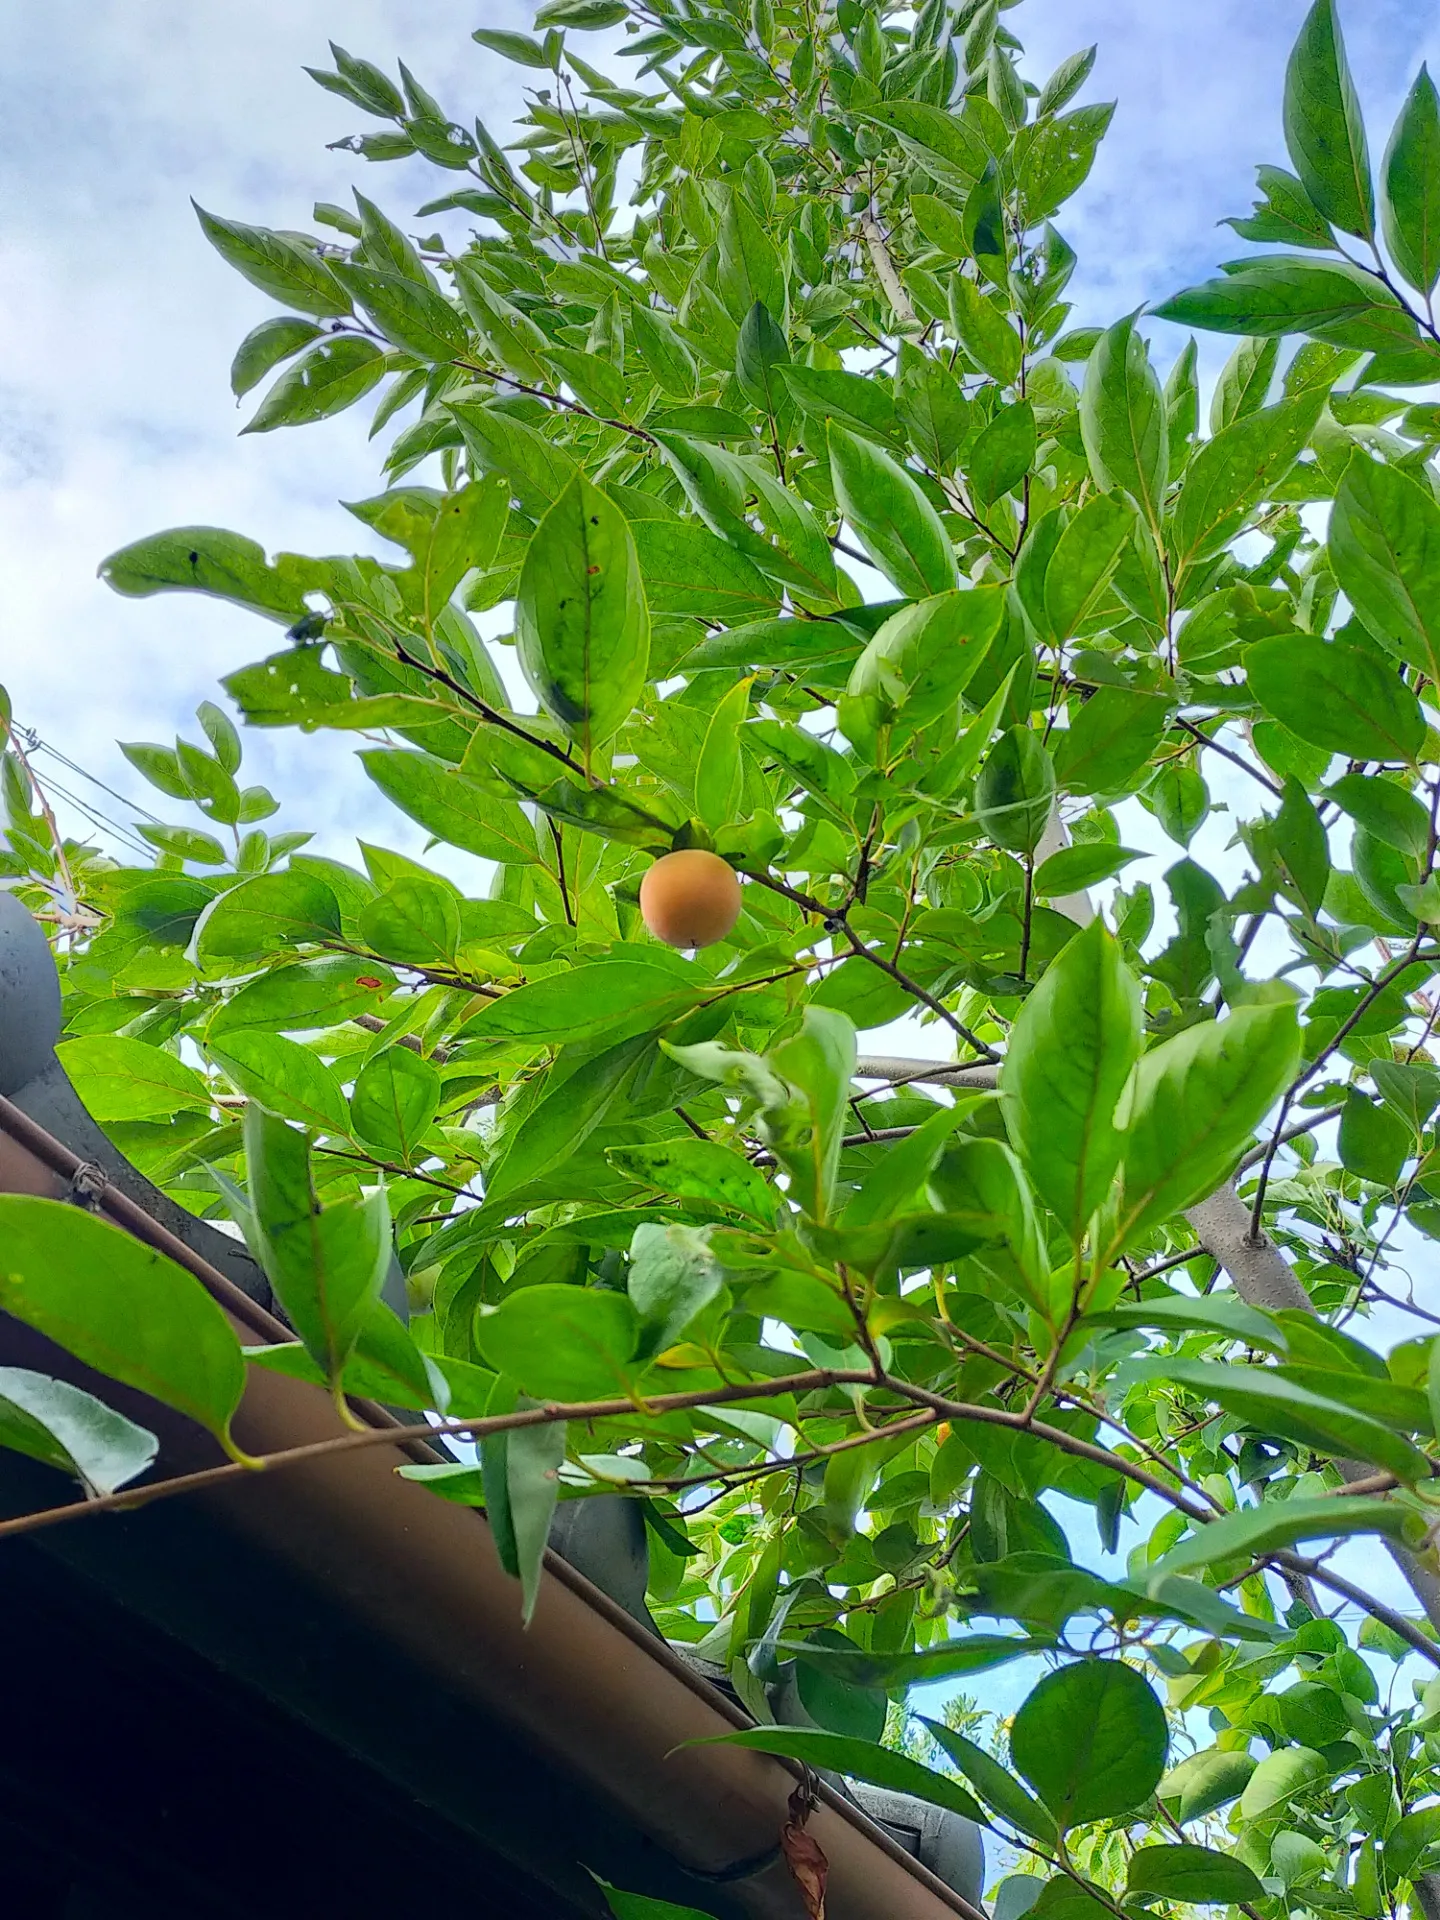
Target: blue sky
118 321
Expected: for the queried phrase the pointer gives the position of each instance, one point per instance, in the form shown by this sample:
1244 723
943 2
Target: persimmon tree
744 376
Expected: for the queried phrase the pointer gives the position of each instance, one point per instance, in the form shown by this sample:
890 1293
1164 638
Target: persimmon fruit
690 898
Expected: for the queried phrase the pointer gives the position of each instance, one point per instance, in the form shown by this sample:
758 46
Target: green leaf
1122 419
1195 1874
1084 562
327 1265
1287 216
1077 869
1232 473
750 268
889 1190
281 267
996 1787
639 1906
1410 188
1286 293
916 667
532 1459
1339 697
1219 1313
1384 544
1324 127
761 352
567 1113
687 569
538 470
414 923
396 1097
702 1170
411 314
451 806
1091 1739
1205 1781
122 1079
1374 1142
1195 1101
65 1427
818 1064
385 1365
719 772
307 997
119 1307
1279 1777
1071 1052
582 625
1015 791
673 1276
857 1760
331 377
1109 740
283 1076
860 404
985 333
1003 453
206 560
1384 809
1273 1404
593 998
564 1344
891 517
265 347
1280 1523
967 1653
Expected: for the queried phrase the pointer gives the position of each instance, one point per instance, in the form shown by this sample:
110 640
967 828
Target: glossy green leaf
687 569
65 1427
265 346
1195 1102
1015 791
673 1276
639 1906
122 1079
588 999
1274 1404
206 560
1091 1739
1280 1777
569 1109
1324 126
1232 473
1284 293
395 1098
996 1787
119 1307
892 519
283 1076
326 1264
1070 1055
278 265
565 1344
581 620
1076 869
264 915
1195 1874
719 773
306 997
1084 562
411 314
858 403
1373 1141
1122 419
1343 698
1257 1530
699 1170
1206 1780
985 333
446 803
858 1760
1410 187
1385 548
916 667
1109 740
331 377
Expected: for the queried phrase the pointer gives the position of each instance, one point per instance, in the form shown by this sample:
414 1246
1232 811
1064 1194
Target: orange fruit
690 898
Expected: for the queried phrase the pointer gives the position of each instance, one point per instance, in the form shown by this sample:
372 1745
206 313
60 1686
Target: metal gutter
585 1684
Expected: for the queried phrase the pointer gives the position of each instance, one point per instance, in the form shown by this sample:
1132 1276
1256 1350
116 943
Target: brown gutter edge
584 1683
